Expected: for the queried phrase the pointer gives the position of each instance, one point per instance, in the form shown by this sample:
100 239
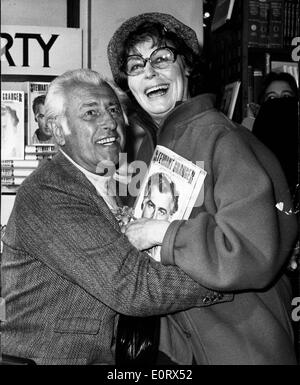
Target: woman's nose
149 70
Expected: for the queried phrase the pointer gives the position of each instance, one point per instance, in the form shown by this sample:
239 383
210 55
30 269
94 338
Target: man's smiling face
158 90
95 129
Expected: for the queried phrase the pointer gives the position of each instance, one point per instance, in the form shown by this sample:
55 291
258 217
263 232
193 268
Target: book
36 92
40 151
40 148
170 189
222 14
263 31
19 163
12 180
253 23
257 85
16 172
12 124
276 17
229 98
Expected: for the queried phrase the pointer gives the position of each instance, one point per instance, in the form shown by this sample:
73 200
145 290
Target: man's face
95 126
158 90
40 119
158 205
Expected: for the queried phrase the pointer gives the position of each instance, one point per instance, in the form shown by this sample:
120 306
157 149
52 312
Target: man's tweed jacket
67 271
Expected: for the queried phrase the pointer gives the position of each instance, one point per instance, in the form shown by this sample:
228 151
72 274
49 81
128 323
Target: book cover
169 190
37 131
222 14
229 98
276 19
253 23
12 125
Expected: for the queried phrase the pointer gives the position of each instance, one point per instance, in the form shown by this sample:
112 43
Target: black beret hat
116 43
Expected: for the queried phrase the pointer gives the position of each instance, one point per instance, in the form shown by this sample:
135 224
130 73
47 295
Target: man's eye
90 114
115 110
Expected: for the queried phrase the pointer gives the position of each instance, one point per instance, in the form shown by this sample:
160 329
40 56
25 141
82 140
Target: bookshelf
239 53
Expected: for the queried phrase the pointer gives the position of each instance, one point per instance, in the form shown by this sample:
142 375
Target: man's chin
107 167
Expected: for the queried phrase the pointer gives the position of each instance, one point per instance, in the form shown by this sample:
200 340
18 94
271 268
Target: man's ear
57 131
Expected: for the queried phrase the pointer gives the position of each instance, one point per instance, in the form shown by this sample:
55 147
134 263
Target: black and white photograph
150 186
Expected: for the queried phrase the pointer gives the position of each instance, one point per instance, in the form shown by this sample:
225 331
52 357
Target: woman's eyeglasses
160 58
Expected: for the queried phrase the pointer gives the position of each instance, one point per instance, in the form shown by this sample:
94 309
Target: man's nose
107 122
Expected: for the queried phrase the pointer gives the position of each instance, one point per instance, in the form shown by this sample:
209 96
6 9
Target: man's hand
145 233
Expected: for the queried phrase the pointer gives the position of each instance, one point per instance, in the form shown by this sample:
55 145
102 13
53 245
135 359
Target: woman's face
158 90
278 89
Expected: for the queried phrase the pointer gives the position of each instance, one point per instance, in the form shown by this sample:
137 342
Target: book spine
38 157
257 85
253 23
263 31
289 23
18 172
11 181
19 163
38 148
276 24
250 84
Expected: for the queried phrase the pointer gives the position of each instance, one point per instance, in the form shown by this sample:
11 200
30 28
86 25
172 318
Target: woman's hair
278 76
160 36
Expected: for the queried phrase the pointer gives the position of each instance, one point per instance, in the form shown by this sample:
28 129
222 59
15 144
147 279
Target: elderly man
67 270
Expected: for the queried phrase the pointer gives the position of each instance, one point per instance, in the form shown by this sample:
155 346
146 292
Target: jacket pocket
78 325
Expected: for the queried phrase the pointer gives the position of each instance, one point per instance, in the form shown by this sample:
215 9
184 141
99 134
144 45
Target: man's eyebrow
89 104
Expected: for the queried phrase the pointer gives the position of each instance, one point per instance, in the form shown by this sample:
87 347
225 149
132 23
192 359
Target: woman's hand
145 233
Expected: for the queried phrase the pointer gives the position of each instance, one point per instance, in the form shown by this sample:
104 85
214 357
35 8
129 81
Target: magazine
169 190
12 125
35 120
229 98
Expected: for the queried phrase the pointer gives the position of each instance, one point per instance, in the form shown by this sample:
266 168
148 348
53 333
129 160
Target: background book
222 13
276 21
12 124
229 98
34 89
253 23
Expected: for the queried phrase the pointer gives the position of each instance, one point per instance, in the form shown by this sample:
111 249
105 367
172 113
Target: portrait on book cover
12 131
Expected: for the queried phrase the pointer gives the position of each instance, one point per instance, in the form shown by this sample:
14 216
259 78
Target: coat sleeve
245 241
69 233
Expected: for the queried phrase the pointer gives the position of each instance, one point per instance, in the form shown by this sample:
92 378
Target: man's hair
56 99
37 101
165 185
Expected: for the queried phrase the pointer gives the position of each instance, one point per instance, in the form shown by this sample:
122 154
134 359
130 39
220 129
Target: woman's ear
57 131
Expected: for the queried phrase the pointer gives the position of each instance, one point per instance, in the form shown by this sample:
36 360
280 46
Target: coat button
206 300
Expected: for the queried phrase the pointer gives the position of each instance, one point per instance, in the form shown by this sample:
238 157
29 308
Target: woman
236 241
276 124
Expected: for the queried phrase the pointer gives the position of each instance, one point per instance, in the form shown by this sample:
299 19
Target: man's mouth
107 141
159 90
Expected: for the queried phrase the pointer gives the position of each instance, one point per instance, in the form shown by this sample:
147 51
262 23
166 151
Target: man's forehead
87 93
